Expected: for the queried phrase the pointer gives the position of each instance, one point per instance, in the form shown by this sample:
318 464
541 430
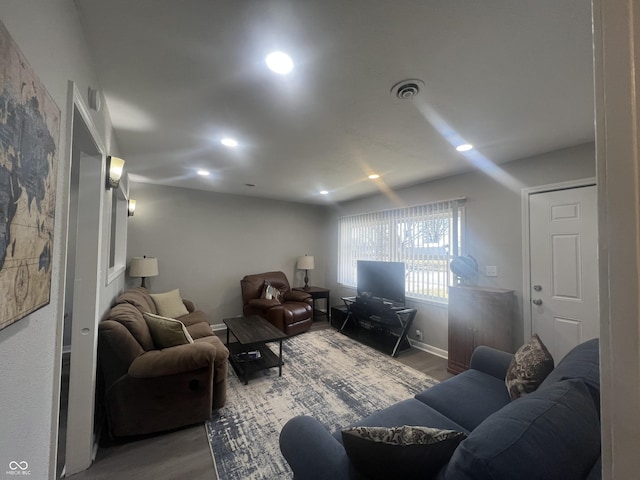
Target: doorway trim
526 267
81 444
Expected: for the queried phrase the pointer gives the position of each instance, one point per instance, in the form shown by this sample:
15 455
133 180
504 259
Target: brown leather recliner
292 313
147 389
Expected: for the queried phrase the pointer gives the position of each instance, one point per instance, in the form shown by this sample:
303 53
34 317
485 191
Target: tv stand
379 324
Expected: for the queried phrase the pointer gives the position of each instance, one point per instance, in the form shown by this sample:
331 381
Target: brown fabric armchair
292 313
147 389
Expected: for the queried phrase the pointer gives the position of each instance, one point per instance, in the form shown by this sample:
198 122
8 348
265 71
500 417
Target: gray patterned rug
326 375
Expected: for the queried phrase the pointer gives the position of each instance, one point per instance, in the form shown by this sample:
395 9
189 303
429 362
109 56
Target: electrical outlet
491 271
419 334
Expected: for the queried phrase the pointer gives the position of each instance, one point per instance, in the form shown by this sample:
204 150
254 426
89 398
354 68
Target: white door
564 268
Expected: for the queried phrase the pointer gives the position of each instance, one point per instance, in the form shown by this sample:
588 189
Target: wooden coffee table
253 333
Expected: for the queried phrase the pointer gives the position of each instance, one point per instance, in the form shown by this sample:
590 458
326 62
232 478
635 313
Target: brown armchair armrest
172 361
296 296
263 303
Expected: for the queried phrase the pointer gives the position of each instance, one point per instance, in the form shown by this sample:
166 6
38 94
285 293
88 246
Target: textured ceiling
512 78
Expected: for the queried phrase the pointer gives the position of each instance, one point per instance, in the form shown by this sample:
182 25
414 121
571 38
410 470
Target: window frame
419 219
118 216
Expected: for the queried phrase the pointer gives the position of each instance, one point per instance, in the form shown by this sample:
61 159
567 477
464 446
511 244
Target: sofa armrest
191 318
312 452
189 305
173 360
491 361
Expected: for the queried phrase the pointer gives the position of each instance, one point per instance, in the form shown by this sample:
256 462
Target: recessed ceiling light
324 192
204 173
374 176
465 147
279 62
229 142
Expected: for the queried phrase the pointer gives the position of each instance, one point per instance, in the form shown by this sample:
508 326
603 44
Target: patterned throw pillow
270 292
400 452
529 367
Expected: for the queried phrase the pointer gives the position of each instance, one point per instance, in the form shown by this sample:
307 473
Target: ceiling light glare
465 147
279 62
324 192
204 173
229 142
374 176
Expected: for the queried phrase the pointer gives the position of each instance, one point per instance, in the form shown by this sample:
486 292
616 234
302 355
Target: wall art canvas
29 136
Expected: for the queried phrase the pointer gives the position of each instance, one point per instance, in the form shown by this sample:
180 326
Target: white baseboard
218 327
429 348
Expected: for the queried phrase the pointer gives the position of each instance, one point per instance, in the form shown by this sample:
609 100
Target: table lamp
306 263
143 267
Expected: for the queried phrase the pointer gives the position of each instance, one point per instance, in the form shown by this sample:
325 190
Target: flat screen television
381 280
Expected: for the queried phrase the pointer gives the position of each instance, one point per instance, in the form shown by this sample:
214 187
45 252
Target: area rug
326 375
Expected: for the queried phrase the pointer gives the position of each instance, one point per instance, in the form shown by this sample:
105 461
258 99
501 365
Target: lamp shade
306 262
115 167
143 267
131 207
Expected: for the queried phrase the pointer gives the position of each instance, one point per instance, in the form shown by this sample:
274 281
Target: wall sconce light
115 166
131 207
94 99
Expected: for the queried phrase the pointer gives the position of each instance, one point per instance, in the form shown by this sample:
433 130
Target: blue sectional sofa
552 433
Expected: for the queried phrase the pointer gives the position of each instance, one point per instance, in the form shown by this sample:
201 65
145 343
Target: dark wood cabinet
478 316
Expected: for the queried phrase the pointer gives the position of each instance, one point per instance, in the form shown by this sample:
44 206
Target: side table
318 293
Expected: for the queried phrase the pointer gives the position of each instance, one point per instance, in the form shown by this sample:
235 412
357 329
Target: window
424 237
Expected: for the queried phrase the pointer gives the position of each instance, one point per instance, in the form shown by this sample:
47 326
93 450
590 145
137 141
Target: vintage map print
29 134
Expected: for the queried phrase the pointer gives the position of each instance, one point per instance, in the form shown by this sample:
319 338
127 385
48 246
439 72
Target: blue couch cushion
467 398
406 412
581 362
551 434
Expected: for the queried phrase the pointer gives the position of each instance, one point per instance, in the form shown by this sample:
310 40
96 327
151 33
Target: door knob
537 301
537 288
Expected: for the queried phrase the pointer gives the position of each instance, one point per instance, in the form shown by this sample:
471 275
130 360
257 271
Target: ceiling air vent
407 89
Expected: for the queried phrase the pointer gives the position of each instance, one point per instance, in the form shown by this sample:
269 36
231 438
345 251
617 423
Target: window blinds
424 237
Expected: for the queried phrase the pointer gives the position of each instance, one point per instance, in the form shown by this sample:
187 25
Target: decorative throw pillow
400 452
270 292
167 332
169 304
529 367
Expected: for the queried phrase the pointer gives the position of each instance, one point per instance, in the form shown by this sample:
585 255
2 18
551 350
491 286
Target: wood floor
185 453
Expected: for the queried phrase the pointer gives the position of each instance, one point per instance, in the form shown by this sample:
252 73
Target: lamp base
306 280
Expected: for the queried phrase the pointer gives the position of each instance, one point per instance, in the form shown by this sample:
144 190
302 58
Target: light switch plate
491 271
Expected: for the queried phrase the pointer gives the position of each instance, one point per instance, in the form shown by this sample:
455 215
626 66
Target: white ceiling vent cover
407 89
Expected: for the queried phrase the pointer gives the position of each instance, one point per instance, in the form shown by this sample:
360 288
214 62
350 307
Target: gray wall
206 242
493 223
49 35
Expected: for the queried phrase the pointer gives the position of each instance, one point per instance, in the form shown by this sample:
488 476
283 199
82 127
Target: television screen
383 280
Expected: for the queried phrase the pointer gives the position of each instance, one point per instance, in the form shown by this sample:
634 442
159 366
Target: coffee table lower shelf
267 359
